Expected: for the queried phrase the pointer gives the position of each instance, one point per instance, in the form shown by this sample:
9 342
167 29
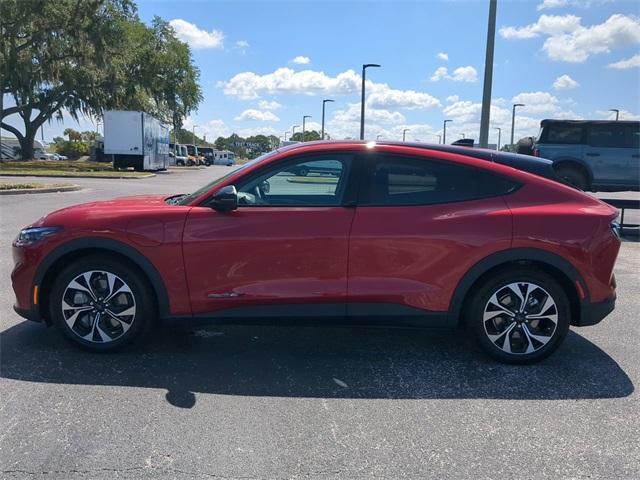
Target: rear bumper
593 313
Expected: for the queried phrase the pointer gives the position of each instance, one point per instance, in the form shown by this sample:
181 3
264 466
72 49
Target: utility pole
444 131
513 118
324 102
304 119
488 76
364 68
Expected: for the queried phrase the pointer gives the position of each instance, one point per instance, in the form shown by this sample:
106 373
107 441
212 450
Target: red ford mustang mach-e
373 233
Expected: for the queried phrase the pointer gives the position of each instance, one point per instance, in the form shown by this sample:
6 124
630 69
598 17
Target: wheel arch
543 260
79 248
576 163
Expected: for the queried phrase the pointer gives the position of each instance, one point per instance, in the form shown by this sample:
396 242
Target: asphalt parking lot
280 403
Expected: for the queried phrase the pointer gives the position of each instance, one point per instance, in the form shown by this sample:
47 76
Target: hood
102 212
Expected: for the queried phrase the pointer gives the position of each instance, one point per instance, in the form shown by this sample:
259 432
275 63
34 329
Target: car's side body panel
265 256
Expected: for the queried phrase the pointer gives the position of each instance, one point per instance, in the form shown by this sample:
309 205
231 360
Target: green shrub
72 149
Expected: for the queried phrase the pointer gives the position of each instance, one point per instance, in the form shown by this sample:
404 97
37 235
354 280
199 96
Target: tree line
80 57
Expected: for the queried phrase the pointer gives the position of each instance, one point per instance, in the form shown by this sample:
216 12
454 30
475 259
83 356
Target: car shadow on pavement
313 362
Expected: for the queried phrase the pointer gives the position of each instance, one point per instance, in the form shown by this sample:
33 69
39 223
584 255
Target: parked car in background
592 155
423 236
224 157
208 154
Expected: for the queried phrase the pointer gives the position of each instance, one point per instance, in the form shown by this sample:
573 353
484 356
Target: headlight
31 235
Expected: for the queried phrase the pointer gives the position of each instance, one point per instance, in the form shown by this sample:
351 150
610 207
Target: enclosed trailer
136 139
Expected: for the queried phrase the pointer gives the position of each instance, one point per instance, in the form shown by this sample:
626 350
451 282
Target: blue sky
562 58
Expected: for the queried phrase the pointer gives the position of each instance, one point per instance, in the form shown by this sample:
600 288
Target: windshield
185 200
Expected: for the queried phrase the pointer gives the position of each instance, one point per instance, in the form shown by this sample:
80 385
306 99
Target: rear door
421 223
608 153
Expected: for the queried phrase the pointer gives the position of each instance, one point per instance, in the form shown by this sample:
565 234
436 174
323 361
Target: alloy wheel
98 306
520 318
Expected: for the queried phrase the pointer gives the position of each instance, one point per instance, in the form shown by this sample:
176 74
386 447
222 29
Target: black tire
139 324
303 171
522 333
573 176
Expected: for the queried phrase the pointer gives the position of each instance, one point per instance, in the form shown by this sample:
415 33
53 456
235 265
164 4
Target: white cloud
249 85
546 24
195 37
537 102
453 98
628 63
569 41
443 56
565 82
552 4
407 99
623 115
301 60
439 74
258 115
460 74
269 105
376 115
242 45
465 74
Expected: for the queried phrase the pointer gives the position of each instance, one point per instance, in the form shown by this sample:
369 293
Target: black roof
547 121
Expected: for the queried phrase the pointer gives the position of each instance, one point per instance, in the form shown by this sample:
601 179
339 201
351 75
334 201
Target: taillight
615 226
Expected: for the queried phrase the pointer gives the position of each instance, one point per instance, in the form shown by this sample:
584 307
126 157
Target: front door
284 250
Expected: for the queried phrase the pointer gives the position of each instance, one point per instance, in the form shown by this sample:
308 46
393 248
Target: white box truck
136 139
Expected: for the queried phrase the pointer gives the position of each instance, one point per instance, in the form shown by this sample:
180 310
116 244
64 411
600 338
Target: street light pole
617 113
293 130
364 68
404 134
462 135
444 131
324 102
194 135
378 137
439 138
488 76
499 135
304 119
513 118
285 135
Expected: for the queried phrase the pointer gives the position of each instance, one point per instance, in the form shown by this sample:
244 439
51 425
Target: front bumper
32 315
593 313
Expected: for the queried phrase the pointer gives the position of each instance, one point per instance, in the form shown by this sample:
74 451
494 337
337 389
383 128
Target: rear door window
608 136
559 133
396 180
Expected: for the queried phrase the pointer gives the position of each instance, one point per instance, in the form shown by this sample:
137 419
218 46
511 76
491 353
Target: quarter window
414 181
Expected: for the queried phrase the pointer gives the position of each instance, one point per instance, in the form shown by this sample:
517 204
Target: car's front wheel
101 304
520 316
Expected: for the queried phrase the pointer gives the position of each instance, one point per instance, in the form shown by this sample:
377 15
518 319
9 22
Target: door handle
593 154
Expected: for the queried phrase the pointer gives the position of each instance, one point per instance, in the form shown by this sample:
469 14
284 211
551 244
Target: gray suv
592 155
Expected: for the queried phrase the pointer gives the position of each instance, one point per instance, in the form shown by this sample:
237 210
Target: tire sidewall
145 307
486 290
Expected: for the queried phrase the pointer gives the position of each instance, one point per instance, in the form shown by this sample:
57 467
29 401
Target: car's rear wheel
101 304
520 316
573 176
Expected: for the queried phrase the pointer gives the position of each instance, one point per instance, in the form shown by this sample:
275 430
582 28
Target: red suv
375 233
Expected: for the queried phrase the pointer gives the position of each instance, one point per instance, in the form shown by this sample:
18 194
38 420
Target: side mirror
265 186
225 200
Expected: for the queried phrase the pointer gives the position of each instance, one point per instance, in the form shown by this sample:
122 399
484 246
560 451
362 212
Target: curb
9 174
25 191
